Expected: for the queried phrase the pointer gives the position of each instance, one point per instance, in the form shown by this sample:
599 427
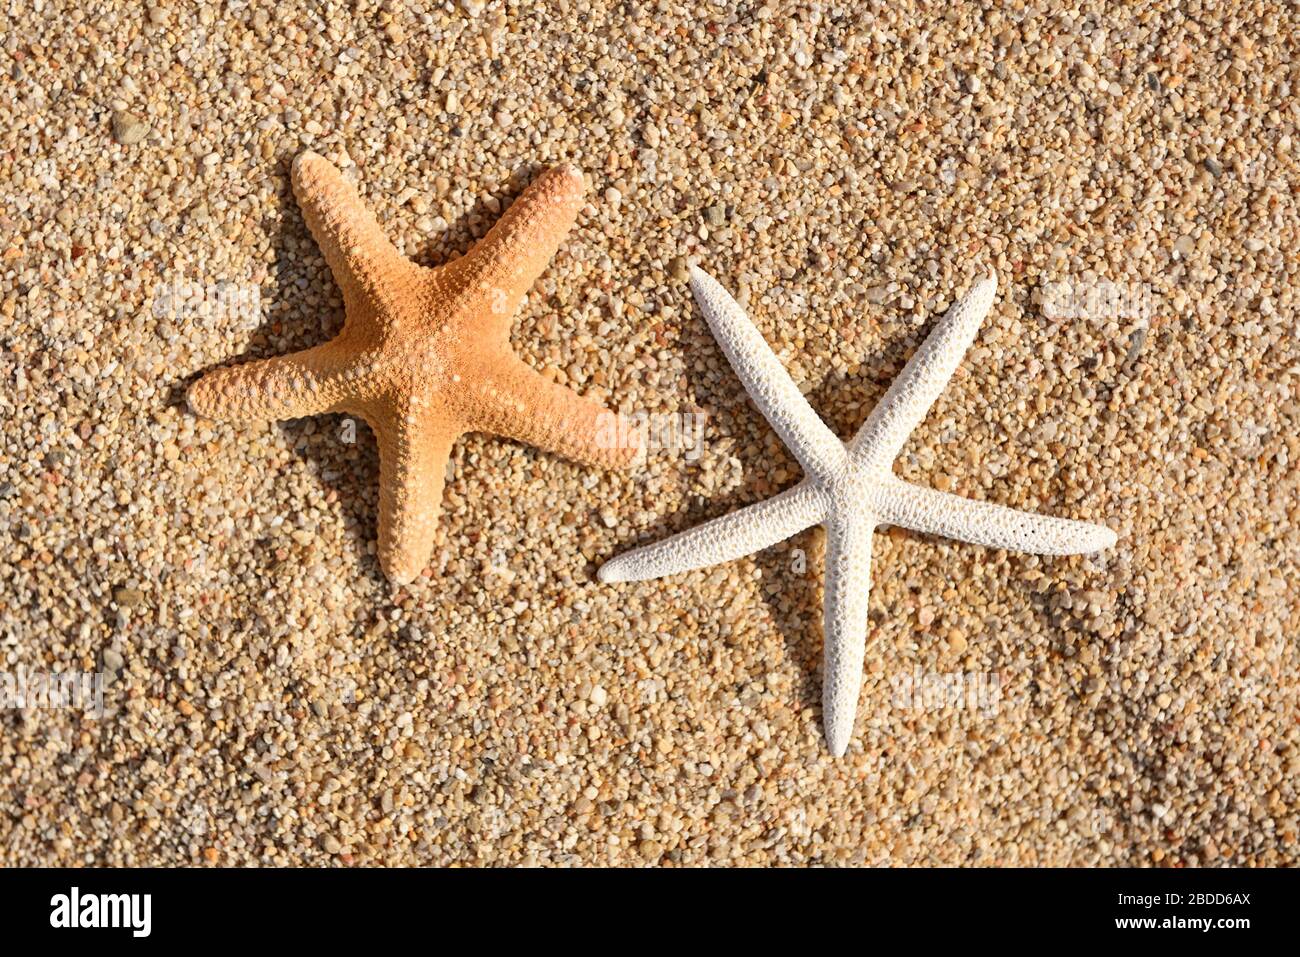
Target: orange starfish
424 354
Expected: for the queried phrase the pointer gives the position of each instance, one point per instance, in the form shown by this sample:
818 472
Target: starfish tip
608 572
566 184
571 170
700 280
304 164
402 574
198 397
837 743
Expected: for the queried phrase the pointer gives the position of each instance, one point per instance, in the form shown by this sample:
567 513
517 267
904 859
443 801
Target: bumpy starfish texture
850 488
424 353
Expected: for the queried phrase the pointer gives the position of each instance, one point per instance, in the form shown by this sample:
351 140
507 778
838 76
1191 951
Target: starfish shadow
343 455
341 449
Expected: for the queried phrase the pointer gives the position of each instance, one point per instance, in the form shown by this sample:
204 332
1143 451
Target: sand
847 171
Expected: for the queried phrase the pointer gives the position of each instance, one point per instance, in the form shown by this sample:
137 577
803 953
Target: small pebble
128 597
128 129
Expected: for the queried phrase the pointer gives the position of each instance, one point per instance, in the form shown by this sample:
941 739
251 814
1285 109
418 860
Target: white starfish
850 488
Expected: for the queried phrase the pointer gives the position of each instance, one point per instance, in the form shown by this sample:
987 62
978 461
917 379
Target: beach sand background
847 170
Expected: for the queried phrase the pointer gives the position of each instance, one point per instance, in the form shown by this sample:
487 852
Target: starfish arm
412 470
910 396
507 261
364 263
283 387
514 400
983 523
724 538
848 586
770 387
